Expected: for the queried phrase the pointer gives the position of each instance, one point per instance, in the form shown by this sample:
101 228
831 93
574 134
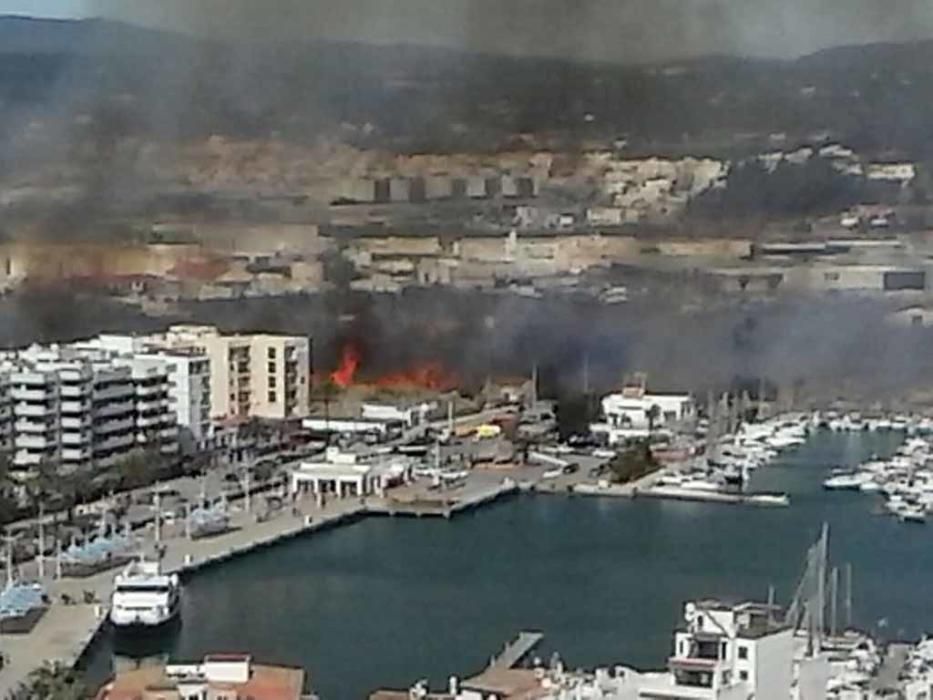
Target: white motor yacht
144 597
845 481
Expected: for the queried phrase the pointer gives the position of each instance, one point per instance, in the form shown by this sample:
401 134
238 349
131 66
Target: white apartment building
188 369
725 652
80 409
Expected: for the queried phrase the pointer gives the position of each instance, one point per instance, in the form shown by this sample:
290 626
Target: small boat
912 515
845 481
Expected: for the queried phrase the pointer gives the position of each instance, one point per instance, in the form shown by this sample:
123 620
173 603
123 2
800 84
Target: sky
44 8
613 30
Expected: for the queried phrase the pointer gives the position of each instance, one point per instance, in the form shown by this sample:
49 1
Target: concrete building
633 413
81 410
217 677
188 370
350 474
251 376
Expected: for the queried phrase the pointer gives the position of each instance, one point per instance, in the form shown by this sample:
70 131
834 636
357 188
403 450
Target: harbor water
386 602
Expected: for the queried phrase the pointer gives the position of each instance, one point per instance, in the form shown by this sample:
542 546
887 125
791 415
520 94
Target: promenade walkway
65 631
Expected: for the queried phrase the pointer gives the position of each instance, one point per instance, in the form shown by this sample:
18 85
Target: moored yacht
144 597
845 480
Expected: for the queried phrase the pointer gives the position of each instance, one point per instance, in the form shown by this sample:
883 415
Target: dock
516 651
443 504
768 500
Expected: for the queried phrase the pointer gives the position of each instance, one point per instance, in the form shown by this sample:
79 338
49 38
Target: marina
570 567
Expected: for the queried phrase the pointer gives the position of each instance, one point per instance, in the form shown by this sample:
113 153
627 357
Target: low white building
409 415
350 473
634 414
380 429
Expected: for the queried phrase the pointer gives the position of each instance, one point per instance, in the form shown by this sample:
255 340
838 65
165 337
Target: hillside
90 85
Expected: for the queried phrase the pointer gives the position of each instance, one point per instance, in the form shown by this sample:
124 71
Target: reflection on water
389 601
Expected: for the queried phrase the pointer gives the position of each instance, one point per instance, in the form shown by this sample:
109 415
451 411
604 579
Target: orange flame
349 363
429 376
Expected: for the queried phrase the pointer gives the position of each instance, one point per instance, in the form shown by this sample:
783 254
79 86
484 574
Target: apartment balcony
158 389
76 422
153 420
22 393
75 391
75 407
75 439
147 408
23 458
33 410
116 425
33 442
109 410
40 427
115 443
76 454
114 392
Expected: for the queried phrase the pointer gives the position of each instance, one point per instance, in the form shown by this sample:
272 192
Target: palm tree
653 414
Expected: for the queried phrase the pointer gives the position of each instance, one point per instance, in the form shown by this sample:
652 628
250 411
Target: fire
428 376
432 375
349 363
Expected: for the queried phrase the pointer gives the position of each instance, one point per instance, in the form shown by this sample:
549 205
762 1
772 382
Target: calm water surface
385 602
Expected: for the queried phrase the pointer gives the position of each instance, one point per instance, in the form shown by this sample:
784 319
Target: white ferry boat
143 597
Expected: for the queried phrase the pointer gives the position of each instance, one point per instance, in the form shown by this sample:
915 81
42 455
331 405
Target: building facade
81 409
251 376
633 413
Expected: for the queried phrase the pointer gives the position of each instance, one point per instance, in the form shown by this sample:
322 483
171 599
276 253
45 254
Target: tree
633 463
653 414
9 505
51 682
138 468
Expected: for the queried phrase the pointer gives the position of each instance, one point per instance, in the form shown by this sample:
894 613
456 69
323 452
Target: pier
768 500
444 503
516 651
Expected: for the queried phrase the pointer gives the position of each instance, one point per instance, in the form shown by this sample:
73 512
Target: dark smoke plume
610 30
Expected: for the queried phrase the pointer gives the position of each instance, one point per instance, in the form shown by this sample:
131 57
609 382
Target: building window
271 353
743 652
722 650
271 368
743 675
272 381
273 397
831 276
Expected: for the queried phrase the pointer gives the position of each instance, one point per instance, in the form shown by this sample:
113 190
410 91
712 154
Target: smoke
605 30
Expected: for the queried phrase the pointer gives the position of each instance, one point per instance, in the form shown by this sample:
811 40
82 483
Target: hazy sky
599 29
